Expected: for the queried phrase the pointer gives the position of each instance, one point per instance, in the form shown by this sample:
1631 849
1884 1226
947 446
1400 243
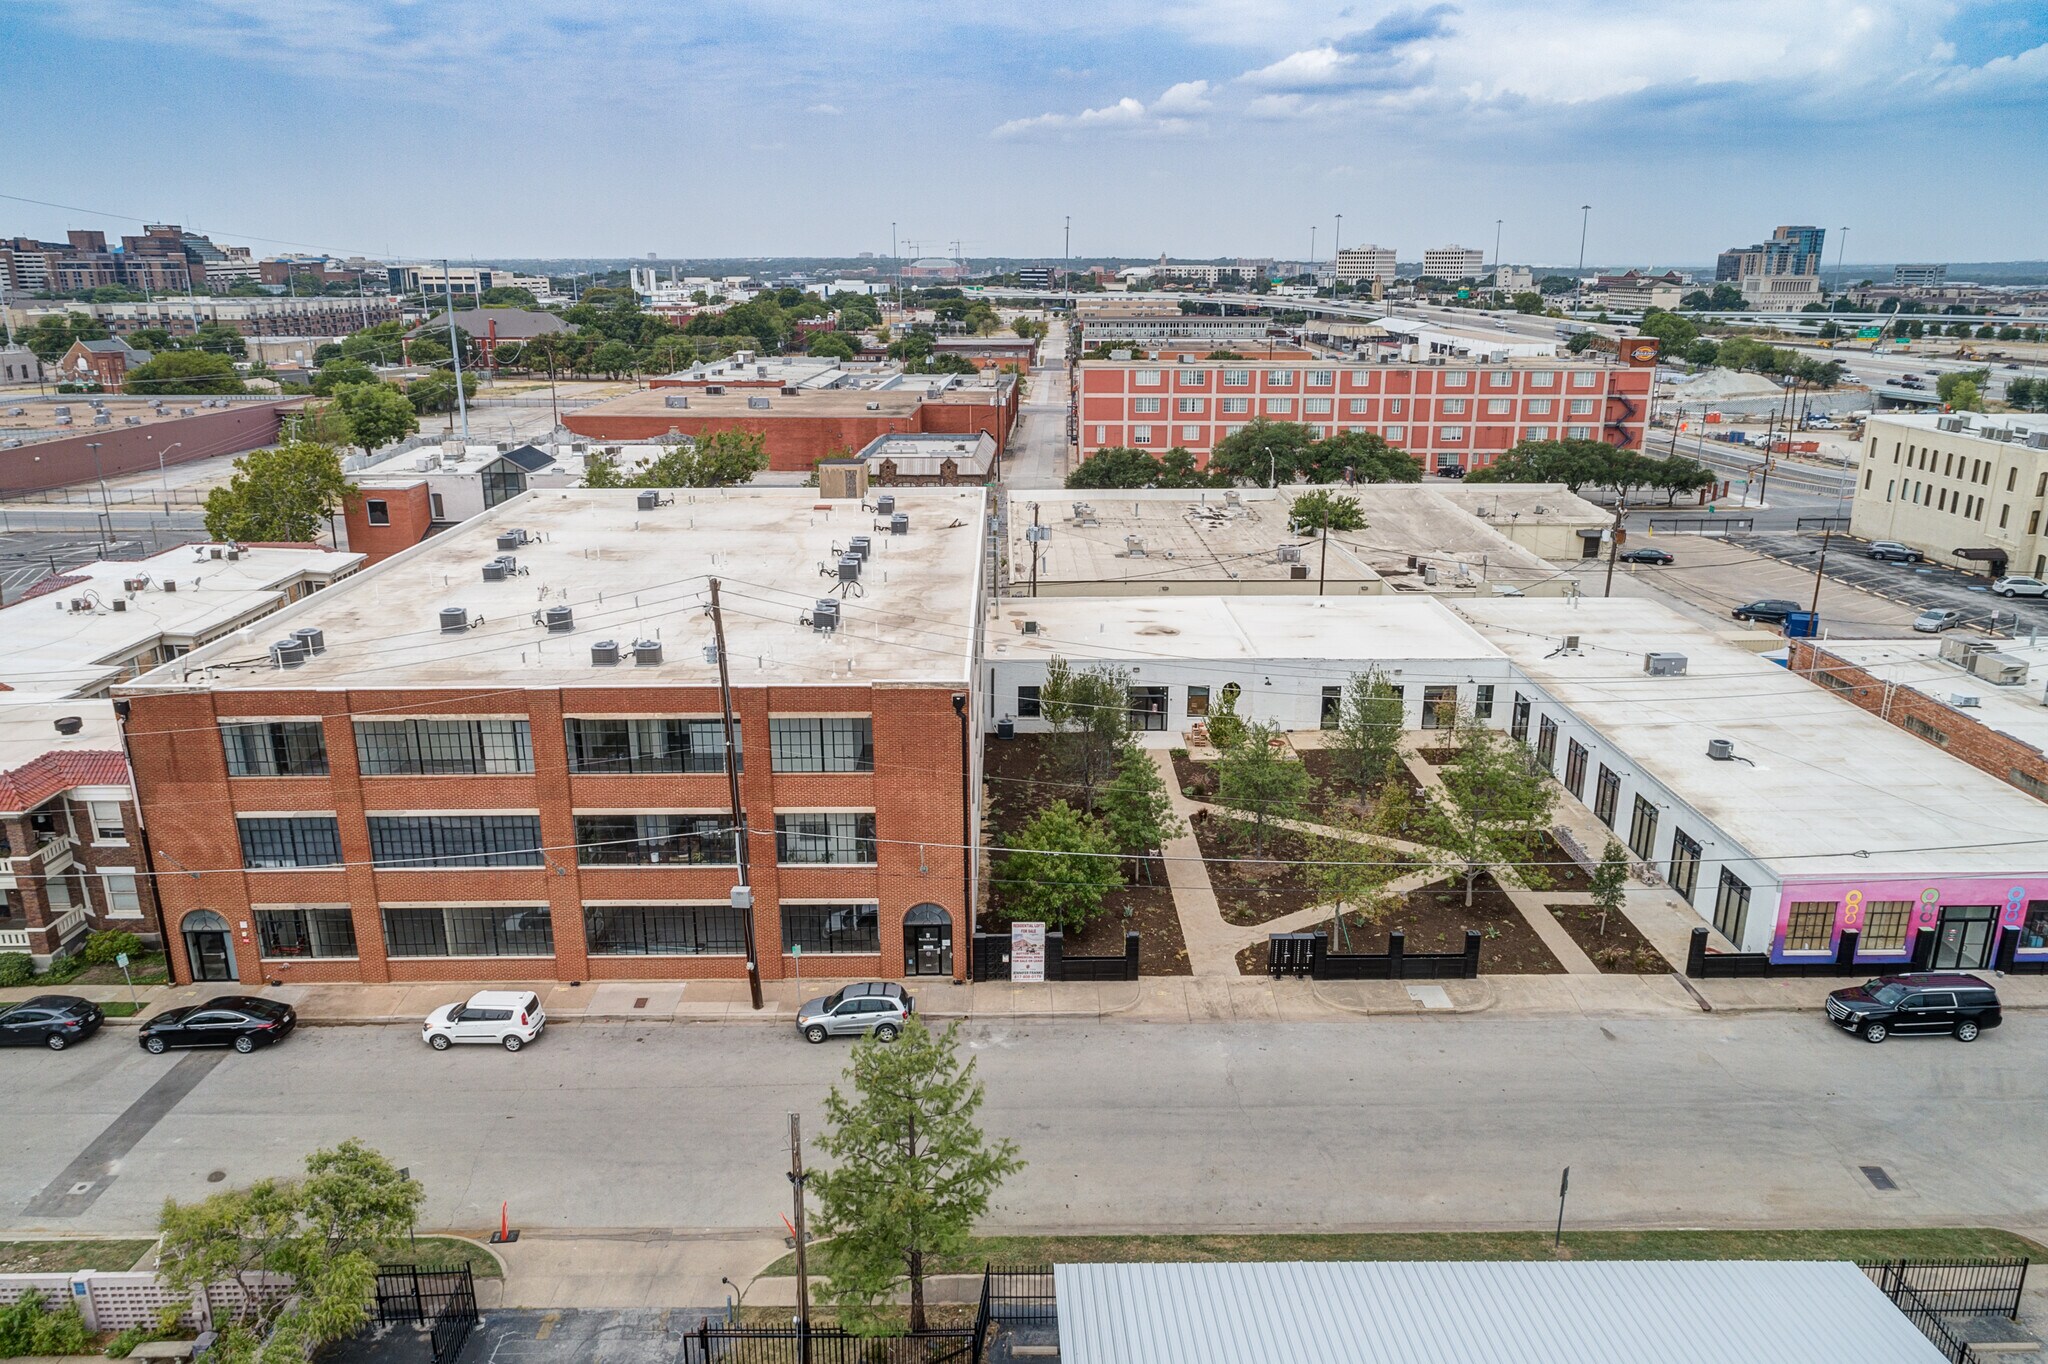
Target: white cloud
1127 115
828 110
1316 68
1189 97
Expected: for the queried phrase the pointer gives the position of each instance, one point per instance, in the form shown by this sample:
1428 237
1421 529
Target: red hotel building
1450 413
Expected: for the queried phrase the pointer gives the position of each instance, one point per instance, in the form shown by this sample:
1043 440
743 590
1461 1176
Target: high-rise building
1922 276
1366 265
1790 251
1453 262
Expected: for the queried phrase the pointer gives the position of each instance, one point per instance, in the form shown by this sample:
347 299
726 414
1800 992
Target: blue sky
1194 127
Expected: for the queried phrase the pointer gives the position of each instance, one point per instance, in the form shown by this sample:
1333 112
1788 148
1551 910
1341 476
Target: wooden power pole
803 1276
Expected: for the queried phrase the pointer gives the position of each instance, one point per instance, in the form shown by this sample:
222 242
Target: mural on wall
1874 907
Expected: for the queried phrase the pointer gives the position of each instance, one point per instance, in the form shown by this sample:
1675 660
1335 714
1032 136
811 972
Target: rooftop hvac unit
119 604
675 400
1721 750
314 638
1964 700
1571 645
1661 664
494 571
1297 571
714 389
760 371
423 464
214 551
510 539
2037 440
604 653
2001 670
885 503
1429 574
133 584
1287 554
874 407
170 584
69 724
558 619
1960 651
1949 424
899 524
757 404
1134 546
860 545
825 615
849 568
648 500
1232 498
454 620
646 652
234 553
789 390
289 652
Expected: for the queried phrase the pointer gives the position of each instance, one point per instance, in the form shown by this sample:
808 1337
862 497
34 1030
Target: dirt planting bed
1621 950
1253 888
1435 918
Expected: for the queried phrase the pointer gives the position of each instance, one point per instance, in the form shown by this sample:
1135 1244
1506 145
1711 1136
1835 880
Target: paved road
1397 1122
1922 586
1037 457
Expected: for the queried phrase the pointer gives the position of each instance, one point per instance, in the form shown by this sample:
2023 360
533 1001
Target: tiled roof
35 781
53 584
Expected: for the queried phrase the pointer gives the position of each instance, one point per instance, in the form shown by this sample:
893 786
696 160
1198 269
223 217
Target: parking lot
1918 586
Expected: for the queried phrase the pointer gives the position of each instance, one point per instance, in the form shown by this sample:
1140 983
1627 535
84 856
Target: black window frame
863 939
1518 718
1606 795
821 743
275 943
673 749
661 839
1642 827
709 930
466 926
1028 707
1686 853
444 747
442 842
307 840
283 744
1575 755
1482 701
1546 742
860 839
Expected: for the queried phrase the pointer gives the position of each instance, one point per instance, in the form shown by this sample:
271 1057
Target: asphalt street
1434 1122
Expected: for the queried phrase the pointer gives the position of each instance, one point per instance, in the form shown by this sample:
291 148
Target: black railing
1308 954
992 959
710 1344
1821 523
1973 1288
1703 525
442 1300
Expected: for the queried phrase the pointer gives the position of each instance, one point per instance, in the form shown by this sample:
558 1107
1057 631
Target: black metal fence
1702 964
1308 954
710 1344
1932 1292
992 959
441 1300
1822 523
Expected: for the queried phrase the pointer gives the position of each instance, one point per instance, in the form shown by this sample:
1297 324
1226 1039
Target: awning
1993 559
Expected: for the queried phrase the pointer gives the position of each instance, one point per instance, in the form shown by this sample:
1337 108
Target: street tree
832 345
435 392
911 1172
1367 740
1089 711
1134 807
1058 867
376 414
1358 457
1115 466
1492 809
1324 510
285 493
1264 452
1257 778
1610 882
325 1232
338 372
183 371
1351 874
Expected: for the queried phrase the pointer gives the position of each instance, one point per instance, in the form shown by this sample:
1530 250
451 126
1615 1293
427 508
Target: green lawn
446 1252
70 1257
1965 1243
119 1008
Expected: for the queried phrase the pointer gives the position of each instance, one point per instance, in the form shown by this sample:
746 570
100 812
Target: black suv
1922 1003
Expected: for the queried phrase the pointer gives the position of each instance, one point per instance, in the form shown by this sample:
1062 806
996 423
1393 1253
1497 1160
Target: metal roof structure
1572 1312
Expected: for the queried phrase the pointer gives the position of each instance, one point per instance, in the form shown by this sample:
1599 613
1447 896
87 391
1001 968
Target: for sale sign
1027 952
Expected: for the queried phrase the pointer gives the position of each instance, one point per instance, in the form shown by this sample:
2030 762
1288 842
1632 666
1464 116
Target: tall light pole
455 347
164 477
1585 218
106 514
1311 250
1841 251
1496 251
1336 255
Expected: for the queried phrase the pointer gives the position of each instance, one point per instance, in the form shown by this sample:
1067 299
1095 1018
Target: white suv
2020 586
510 1018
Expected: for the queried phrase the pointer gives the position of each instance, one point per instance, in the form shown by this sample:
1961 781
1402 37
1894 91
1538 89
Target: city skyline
756 132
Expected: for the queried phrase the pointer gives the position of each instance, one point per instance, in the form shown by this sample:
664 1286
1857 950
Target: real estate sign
1027 952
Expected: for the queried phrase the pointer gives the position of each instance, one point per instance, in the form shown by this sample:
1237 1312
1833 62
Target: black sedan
1770 611
1646 556
53 1021
243 1022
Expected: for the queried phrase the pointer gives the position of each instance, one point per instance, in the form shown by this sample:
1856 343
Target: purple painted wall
2019 905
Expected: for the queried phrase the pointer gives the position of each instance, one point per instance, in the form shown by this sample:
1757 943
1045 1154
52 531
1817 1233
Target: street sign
121 960
1027 952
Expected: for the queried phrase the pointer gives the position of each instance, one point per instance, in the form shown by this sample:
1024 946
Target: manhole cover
80 1190
1878 1178
216 1176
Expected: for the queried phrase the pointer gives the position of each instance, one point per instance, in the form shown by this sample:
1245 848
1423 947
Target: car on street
1938 619
1895 552
53 1021
2019 586
1916 1004
877 1006
1646 556
1767 610
244 1022
505 1018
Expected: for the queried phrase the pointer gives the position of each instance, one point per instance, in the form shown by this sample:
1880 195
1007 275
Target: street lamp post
163 477
1585 219
106 512
1496 251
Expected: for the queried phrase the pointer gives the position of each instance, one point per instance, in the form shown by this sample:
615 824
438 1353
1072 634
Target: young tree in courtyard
911 1172
1134 808
1351 875
1367 739
326 1232
1256 778
1058 869
1089 712
1610 882
1493 808
1324 510
282 494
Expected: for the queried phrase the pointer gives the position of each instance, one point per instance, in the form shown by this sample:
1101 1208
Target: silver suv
877 1006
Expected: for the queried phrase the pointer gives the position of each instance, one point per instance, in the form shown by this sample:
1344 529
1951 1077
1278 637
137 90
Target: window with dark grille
1482 701
832 928
417 842
663 930
1606 795
654 840
290 841
275 748
1546 742
1810 926
469 931
664 744
821 744
387 748
1685 865
2035 931
825 838
1575 768
1027 703
1642 828
1884 926
319 932
1518 719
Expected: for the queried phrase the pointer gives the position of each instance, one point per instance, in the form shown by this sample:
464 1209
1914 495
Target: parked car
1646 556
53 1021
1768 611
507 1018
1894 551
243 1022
2018 586
1939 619
877 1006
1920 1003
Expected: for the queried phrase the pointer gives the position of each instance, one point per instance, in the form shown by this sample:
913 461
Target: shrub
16 968
26 1328
106 944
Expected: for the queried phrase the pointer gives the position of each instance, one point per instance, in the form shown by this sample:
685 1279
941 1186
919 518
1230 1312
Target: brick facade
408 512
59 842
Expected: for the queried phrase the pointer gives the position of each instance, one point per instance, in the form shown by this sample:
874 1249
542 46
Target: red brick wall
796 442
133 449
1971 740
915 792
411 511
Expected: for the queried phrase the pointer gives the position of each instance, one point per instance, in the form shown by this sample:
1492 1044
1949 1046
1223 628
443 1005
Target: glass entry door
1963 938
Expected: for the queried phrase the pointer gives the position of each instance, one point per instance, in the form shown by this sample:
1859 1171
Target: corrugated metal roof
1587 1312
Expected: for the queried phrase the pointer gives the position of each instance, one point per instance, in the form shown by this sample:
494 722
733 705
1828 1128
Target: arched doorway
927 941
208 949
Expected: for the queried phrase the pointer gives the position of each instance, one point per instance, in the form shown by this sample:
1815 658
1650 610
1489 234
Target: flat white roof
28 728
1578 1312
629 575
1822 787
2020 711
48 649
1350 628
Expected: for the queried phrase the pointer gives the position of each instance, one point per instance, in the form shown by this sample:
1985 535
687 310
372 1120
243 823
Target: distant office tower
1919 276
1790 251
1452 262
1366 265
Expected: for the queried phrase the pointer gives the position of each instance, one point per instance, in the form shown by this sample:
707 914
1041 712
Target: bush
16 968
27 1329
104 945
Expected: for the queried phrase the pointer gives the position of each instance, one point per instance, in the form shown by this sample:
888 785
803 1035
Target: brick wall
796 442
133 449
410 510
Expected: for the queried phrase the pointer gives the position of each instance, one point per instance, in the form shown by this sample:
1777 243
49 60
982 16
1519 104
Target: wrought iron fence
710 1344
442 1300
1956 1287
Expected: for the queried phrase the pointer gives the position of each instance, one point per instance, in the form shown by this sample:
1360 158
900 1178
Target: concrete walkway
1212 942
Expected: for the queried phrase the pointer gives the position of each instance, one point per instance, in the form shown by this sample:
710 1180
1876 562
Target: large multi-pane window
275 748
1685 864
321 931
1884 926
663 930
825 837
388 748
654 840
1546 742
1518 718
1575 768
272 841
832 928
1642 828
1731 908
469 931
416 842
1606 795
822 744
1810 926
666 744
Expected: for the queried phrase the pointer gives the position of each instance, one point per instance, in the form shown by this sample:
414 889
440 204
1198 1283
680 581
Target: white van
510 1018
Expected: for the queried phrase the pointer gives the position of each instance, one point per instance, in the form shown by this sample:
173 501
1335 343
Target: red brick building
494 794
105 363
1449 414
386 516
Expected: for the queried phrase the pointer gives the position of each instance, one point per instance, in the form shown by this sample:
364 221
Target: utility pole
803 1277
744 903
1614 546
455 348
1585 218
1031 543
1323 568
1496 251
1841 251
1827 533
